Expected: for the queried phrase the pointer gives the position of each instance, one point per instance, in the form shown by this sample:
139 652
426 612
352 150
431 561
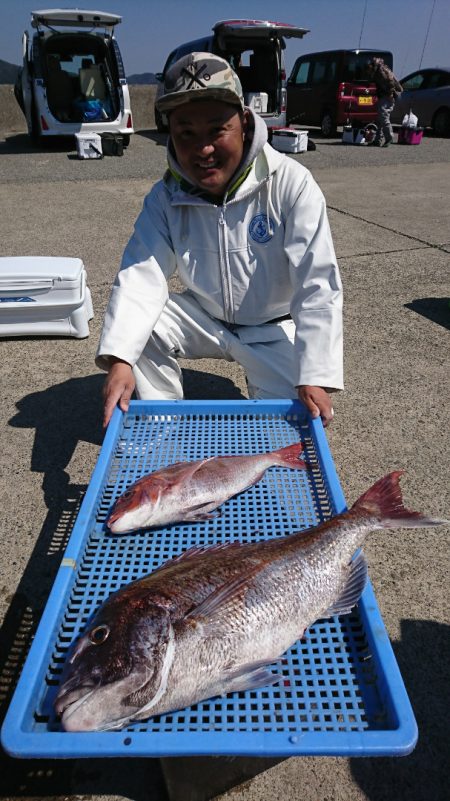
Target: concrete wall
142 99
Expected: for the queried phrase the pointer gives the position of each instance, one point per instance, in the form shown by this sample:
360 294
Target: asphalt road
389 214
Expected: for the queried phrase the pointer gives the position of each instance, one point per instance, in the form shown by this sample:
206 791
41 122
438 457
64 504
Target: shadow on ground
22 143
435 309
423 656
63 416
154 135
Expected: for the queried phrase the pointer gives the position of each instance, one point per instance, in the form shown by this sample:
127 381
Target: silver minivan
255 50
73 79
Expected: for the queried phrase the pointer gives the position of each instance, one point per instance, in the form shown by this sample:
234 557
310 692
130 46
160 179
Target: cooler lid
36 269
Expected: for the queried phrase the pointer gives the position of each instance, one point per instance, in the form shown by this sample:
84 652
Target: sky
416 31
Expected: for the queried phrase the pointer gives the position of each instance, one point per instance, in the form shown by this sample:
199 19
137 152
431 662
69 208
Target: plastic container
89 146
44 295
353 136
341 693
290 140
410 136
257 101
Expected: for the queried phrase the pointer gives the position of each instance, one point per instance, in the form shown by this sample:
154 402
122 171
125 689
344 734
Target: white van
73 78
255 50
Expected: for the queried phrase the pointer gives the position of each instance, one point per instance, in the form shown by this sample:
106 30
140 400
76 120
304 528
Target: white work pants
184 330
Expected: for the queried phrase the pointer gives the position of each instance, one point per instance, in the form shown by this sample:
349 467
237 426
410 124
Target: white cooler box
89 146
257 101
289 140
44 295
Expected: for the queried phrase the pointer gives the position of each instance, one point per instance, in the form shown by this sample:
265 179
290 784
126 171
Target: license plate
365 101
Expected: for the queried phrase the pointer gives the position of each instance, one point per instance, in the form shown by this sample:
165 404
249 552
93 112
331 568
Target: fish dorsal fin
353 588
196 550
215 610
179 472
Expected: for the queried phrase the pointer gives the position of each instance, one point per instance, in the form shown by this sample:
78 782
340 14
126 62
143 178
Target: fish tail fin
290 456
384 500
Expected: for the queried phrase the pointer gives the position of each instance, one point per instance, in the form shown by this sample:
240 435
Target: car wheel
327 125
160 124
126 139
441 122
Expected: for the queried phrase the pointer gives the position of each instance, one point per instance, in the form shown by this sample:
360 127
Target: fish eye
98 635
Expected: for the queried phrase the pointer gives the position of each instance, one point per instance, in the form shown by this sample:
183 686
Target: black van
254 48
332 88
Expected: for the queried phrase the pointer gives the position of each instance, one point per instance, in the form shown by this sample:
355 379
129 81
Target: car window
438 79
200 45
171 58
302 73
415 81
319 70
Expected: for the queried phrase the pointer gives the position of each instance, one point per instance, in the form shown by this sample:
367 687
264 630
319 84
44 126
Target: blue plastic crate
342 693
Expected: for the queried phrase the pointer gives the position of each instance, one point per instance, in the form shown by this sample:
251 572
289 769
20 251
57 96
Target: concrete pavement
389 216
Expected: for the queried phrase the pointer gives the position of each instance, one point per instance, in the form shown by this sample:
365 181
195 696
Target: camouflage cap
200 76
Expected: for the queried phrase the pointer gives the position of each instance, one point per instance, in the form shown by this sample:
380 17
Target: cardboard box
290 140
44 295
89 146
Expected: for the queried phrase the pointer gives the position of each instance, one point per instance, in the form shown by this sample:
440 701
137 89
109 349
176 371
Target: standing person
388 88
246 230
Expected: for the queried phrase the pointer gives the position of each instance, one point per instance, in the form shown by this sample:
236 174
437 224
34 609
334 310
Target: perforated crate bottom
341 691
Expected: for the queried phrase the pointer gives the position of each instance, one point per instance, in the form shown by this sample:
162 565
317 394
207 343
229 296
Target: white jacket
265 252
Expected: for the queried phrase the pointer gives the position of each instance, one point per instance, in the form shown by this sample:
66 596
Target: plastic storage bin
257 101
89 146
44 295
341 693
289 140
410 136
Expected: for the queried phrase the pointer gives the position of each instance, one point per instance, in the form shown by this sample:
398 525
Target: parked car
427 94
73 79
332 88
255 50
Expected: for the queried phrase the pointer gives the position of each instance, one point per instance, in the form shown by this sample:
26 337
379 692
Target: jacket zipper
224 268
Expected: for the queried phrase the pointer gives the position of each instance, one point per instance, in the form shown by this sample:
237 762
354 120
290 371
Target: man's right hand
117 389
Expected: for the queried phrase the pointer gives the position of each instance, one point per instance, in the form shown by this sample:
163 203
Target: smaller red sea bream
191 491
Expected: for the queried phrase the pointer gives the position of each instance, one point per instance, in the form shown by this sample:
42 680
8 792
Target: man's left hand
318 402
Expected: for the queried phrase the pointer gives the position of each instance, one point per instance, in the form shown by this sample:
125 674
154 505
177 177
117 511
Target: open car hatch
258 28
73 18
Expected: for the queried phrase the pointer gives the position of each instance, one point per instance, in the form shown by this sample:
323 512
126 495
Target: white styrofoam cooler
44 295
89 145
290 140
257 101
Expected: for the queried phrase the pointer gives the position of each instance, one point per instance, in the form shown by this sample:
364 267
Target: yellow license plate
365 101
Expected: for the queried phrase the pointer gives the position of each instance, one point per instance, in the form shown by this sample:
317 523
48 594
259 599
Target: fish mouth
67 707
115 523
69 701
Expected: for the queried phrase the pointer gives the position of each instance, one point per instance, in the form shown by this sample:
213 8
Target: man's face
208 137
